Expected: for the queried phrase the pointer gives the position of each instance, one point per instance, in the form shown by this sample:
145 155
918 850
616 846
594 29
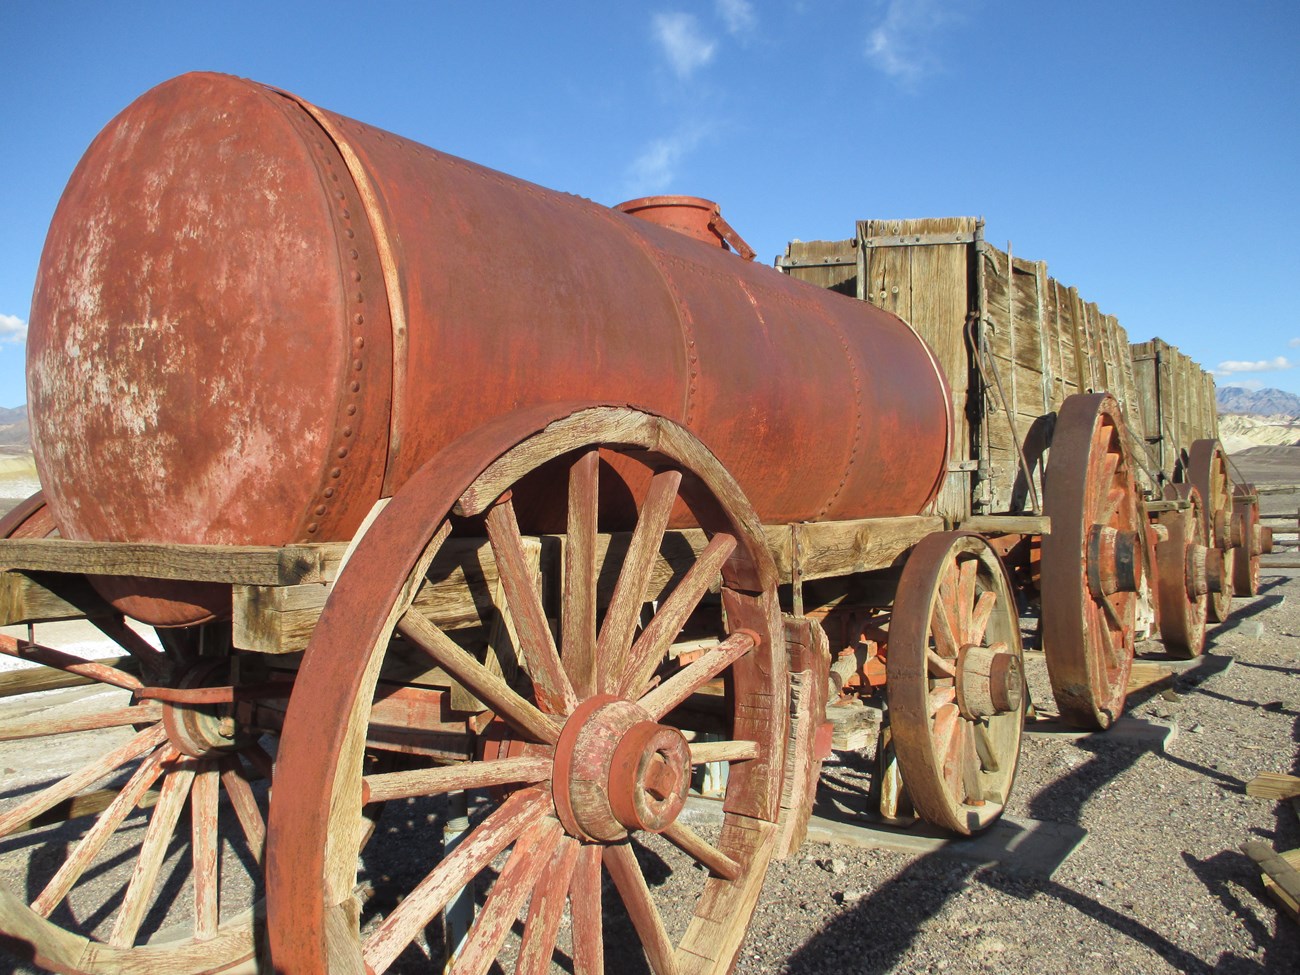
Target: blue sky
1148 151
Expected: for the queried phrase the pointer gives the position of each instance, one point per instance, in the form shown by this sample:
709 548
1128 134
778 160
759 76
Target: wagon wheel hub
989 681
197 727
618 771
1114 561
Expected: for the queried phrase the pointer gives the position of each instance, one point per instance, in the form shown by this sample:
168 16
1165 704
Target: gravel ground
1157 886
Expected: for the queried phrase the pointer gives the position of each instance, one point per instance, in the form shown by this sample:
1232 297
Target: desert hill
1260 402
15 436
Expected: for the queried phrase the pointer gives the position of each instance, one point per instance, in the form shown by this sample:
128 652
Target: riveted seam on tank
857 418
372 209
679 303
338 191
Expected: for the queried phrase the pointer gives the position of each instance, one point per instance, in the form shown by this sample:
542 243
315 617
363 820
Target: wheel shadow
1242 613
874 935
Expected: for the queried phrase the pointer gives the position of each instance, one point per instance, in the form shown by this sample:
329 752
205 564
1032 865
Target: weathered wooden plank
24 599
1276 867
829 264
460 593
1272 785
242 564
1009 524
928 286
840 548
462 580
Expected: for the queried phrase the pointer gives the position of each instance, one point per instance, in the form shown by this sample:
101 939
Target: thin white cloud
899 45
683 43
655 169
12 329
1294 343
737 15
1232 366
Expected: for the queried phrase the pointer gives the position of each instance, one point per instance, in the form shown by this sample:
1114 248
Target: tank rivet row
351 257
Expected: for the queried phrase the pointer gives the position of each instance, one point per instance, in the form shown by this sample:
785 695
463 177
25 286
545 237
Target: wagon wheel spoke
966 572
122 812
621 862
521 812
968 764
49 657
244 803
947 726
205 795
579 597
546 910
938 666
586 911
1109 507
44 728
944 627
513 884
621 619
106 824
701 850
652 645
537 645
489 687
985 747
162 826
441 779
985 604
84 777
703 752
942 695
696 674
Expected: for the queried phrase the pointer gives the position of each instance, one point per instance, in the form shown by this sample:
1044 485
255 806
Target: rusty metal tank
254 317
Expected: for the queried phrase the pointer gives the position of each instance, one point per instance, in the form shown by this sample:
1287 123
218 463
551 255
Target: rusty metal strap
921 240
785 263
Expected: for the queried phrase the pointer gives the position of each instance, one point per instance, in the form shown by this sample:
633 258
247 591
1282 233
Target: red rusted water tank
254 317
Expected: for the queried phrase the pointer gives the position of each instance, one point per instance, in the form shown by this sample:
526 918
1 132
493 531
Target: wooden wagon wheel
1247 540
1181 573
1091 562
1207 469
117 877
956 681
594 759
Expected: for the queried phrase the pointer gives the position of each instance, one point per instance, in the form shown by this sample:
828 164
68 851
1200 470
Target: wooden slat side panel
929 287
829 264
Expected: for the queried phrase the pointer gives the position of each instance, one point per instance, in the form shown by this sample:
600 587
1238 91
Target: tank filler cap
690 215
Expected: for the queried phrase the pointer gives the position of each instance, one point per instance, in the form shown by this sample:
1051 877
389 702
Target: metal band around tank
392 280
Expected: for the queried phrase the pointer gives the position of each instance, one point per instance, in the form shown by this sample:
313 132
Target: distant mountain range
1261 402
14 433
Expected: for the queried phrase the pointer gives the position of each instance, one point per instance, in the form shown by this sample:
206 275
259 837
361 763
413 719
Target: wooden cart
564 689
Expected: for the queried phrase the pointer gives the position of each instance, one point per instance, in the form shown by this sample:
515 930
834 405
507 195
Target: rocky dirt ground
1153 883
